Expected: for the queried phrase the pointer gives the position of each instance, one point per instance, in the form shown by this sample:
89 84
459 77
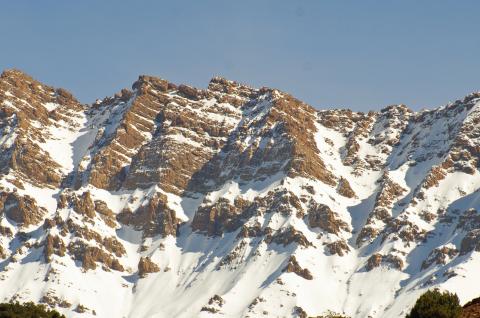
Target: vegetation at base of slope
436 304
27 310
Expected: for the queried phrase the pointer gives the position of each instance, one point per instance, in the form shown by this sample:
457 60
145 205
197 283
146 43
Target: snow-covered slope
170 201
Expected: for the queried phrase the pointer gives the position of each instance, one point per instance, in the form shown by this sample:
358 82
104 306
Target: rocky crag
171 201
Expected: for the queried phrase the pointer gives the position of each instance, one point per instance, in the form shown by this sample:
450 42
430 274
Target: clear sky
358 54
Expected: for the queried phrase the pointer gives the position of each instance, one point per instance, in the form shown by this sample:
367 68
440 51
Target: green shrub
27 310
434 304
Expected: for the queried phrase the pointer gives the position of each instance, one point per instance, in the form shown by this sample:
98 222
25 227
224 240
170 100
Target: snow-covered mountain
170 201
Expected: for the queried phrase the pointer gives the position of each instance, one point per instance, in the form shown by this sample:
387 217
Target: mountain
171 201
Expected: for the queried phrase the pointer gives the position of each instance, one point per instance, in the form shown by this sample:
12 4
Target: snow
51 106
195 267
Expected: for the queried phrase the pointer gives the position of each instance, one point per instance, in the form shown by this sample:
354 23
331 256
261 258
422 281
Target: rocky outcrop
81 237
6 231
105 213
225 216
339 248
154 218
469 220
33 165
84 205
390 260
388 193
138 123
25 118
297 121
146 266
294 267
20 209
440 256
52 300
435 175
221 217
90 255
471 309
54 245
251 231
408 232
321 216
471 242
286 236
215 303
345 189
360 131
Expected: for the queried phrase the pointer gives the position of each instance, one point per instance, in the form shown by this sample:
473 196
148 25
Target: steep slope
167 200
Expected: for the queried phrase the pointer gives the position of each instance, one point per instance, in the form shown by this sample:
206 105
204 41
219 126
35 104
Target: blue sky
358 54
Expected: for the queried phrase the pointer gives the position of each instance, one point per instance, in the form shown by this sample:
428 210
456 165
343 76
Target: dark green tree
435 304
27 310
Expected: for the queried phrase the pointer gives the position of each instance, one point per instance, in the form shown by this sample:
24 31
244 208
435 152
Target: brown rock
386 196
84 205
321 216
340 248
294 267
112 245
146 266
5 231
251 231
216 300
89 255
81 309
439 256
345 189
105 213
220 217
471 309
190 92
53 300
435 175
53 245
287 236
471 242
154 218
49 223
374 261
62 201
21 209
156 83
389 260
469 220
300 312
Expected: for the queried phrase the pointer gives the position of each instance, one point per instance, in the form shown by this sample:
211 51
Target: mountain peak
242 201
14 73
399 108
151 81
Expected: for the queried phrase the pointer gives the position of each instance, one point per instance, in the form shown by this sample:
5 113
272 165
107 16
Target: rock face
377 260
153 218
471 309
84 205
145 266
220 217
321 216
22 210
440 256
294 267
54 245
236 193
471 242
